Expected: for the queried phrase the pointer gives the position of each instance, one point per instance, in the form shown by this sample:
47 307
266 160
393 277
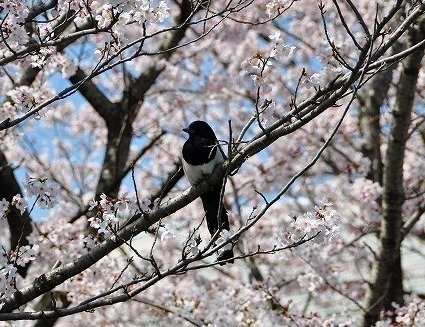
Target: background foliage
319 107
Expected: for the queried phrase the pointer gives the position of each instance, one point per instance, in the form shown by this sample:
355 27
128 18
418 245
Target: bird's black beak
188 130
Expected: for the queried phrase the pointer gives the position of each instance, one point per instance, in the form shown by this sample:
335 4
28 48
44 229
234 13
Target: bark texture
381 290
19 225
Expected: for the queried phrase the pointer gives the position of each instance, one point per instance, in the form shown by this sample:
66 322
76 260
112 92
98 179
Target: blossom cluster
108 211
46 194
191 243
310 280
8 273
411 314
25 254
322 221
366 190
22 98
259 63
15 13
275 7
17 202
8 270
140 11
259 68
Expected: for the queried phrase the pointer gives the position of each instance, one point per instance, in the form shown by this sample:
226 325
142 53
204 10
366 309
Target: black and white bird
201 154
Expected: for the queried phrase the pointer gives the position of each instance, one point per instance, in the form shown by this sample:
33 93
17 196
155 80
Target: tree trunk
381 290
19 225
370 122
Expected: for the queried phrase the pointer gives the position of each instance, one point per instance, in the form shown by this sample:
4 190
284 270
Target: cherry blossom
166 235
19 203
275 6
323 222
4 207
22 98
25 254
8 274
46 194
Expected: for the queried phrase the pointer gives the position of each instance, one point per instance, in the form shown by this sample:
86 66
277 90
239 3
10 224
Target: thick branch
39 8
94 95
49 280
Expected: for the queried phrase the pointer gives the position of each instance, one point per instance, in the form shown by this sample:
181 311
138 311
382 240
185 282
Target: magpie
201 154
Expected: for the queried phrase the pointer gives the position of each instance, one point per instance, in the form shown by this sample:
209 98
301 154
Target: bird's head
200 129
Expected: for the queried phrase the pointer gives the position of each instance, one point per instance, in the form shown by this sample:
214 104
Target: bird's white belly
196 173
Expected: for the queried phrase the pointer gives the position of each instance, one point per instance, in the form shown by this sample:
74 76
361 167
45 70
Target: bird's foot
226 255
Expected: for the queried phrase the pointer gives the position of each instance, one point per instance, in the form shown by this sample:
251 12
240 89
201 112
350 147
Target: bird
201 153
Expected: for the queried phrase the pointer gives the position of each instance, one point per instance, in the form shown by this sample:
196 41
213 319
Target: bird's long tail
211 201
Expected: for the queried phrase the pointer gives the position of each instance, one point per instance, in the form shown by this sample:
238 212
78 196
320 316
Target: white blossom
19 203
105 17
274 7
88 242
323 221
167 235
26 253
93 204
4 207
312 80
47 194
106 203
